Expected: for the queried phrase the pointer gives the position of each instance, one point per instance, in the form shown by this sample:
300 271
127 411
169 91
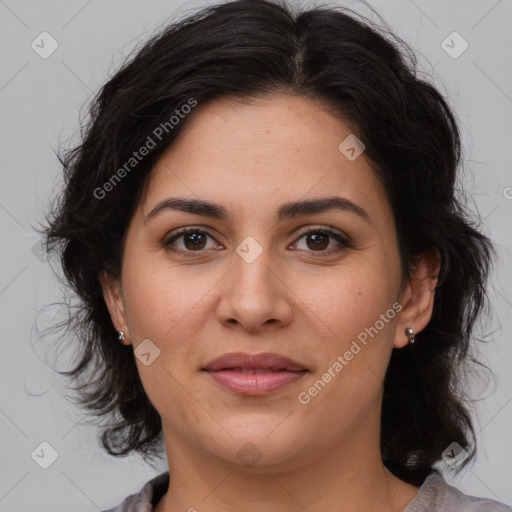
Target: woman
278 281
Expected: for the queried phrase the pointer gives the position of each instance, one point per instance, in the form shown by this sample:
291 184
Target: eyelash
344 242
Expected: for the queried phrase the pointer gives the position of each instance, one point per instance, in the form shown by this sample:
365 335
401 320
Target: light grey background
40 101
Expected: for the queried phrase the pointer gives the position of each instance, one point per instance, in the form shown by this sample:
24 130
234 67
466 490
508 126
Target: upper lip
265 360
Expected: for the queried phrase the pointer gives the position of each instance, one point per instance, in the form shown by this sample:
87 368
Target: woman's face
253 281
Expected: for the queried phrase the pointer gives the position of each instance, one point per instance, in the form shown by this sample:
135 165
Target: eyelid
327 229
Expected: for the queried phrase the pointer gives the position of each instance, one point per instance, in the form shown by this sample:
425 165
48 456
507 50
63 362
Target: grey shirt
435 495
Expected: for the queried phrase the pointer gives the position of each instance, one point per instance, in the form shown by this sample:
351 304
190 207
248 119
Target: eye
318 239
193 240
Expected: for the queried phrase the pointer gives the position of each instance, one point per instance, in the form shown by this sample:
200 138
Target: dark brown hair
252 48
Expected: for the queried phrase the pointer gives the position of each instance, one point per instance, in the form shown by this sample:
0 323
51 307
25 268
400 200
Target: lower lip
255 384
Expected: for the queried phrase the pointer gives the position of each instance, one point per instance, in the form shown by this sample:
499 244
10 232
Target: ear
113 296
417 297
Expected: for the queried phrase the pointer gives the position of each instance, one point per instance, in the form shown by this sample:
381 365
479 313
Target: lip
265 360
254 374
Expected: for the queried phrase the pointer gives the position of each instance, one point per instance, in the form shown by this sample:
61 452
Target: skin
251 157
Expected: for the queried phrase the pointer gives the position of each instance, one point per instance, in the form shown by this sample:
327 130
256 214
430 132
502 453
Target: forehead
260 152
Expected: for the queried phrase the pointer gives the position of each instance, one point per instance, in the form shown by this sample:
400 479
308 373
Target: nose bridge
253 295
252 267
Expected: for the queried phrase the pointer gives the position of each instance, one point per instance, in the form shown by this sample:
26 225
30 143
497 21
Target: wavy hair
367 76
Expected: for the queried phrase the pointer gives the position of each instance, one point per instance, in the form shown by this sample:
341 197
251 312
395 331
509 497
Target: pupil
196 240
317 242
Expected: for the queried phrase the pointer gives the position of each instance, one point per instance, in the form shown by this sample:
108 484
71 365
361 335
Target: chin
259 445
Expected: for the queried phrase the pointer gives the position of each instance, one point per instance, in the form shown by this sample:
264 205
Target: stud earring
122 339
410 334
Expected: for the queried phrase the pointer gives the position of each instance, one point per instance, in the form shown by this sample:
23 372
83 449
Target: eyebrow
285 211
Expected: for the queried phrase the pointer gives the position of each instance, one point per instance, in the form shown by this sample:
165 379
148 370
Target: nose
254 295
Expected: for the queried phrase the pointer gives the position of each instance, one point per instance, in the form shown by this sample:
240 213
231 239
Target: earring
122 339
410 334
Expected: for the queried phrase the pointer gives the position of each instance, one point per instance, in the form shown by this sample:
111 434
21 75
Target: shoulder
436 495
146 498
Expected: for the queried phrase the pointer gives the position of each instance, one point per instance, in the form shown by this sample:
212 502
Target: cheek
357 309
169 304
164 306
152 307
159 296
349 299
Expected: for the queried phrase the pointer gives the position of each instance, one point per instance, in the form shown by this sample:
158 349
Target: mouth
254 374
265 361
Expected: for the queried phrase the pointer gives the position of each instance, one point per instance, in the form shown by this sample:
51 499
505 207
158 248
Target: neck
351 478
